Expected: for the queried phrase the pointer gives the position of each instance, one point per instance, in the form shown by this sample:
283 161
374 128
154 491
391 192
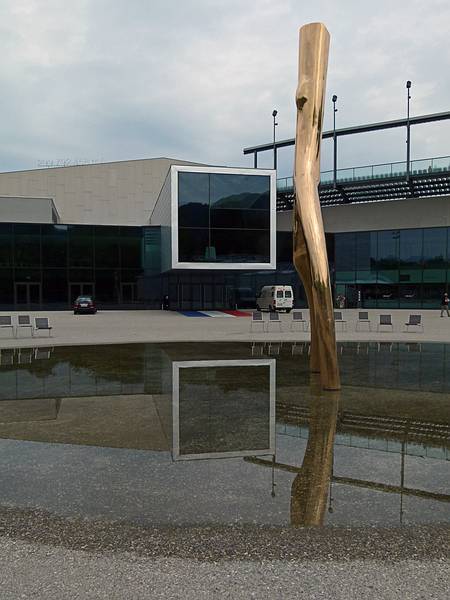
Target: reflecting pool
218 433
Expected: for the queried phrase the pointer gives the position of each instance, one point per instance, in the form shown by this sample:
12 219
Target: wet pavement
227 452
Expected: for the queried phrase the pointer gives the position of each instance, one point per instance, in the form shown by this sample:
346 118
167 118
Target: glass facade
49 265
223 218
190 289
408 268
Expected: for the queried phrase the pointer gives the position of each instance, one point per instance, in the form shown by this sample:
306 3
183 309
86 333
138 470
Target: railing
381 171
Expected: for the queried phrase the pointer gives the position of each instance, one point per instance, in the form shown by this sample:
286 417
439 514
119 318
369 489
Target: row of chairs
298 323
24 323
364 323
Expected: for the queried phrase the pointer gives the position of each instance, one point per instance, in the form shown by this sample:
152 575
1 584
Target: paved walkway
43 572
113 327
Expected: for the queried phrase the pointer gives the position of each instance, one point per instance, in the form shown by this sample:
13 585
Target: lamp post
408 132
274 115
333 99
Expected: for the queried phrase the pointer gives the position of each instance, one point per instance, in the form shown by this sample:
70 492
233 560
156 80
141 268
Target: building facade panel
105 194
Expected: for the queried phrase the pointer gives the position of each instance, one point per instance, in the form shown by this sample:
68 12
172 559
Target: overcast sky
198 79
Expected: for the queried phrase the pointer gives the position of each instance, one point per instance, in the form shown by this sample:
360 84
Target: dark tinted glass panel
388 276
193 245
81 246
284 246
193 199
413 275
106 247
6 286
27 250
431 296
54 286
28 275
130 252
130 275
434 275
79 275
241 245
240 191
366 250
54 246
388 249
227 218
411 247
387 296
410 295
27 229
106 285
345 251
435 248
127 231
6 247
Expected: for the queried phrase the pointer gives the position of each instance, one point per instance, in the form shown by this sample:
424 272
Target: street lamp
274 115
408 132
333 99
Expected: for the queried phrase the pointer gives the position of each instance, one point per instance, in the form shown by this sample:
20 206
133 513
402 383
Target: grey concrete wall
116 193
26 210
373 216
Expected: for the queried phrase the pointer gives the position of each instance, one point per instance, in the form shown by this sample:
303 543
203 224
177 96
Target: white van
275 297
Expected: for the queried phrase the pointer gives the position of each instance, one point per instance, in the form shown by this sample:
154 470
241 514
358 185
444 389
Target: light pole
274 115
333 99
408 132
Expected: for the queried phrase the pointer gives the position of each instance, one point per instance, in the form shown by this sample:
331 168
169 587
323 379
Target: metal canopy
442 116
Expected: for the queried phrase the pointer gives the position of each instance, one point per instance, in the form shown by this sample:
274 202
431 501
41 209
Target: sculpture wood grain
310 253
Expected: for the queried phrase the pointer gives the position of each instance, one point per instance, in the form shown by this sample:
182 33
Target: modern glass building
131 233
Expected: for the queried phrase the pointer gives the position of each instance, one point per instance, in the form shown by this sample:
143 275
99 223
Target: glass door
27 294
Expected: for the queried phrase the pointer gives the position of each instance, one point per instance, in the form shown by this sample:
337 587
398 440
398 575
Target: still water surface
196 434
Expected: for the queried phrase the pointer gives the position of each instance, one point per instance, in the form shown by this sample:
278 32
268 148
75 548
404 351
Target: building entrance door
27 294
82 288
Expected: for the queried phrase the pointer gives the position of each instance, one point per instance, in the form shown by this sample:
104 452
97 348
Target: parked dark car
84 304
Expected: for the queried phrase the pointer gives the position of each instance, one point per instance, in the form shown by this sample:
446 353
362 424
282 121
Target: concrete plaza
114 327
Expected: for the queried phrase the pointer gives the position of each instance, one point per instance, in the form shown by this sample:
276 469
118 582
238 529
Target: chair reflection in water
363 320
298 323
257 319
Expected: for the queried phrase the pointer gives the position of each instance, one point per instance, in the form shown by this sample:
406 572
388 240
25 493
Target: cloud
199 79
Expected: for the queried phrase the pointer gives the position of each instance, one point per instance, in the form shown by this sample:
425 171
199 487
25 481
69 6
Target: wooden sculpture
310 253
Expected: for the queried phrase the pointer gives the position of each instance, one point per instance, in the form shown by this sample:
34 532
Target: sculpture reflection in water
309 492
309 248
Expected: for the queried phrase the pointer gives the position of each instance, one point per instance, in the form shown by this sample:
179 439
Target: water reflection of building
223 408
121 398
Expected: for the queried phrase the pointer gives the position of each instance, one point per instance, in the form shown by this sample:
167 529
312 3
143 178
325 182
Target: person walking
444 305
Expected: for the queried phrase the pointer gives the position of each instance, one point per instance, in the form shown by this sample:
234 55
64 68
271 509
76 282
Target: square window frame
270 363
177 264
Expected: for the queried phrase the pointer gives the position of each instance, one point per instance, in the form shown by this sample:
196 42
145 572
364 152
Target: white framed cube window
222 218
